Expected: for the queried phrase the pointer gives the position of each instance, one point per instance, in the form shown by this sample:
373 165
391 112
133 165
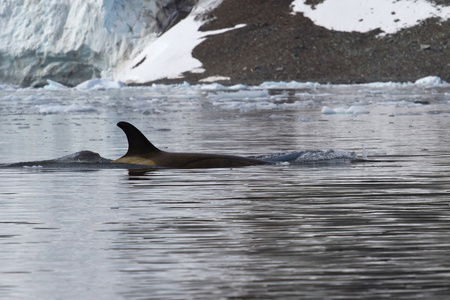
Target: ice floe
352 110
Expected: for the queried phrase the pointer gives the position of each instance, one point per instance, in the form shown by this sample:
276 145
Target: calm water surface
369 230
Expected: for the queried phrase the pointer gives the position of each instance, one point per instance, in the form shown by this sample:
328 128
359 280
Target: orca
142 152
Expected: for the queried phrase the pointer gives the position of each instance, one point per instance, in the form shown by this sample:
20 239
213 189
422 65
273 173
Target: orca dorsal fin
137 142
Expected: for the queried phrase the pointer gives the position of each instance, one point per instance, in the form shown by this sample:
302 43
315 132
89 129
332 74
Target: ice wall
71 41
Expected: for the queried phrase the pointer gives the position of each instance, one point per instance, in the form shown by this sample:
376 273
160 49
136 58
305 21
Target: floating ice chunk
215 78
240 95
11 98
238 87
305 119
340 110
213 87
328 111
288 85
61 109
429 80
352 110
31 98
53 85
364 152
100 84
356 110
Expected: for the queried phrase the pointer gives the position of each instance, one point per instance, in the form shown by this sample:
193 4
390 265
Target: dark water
306 230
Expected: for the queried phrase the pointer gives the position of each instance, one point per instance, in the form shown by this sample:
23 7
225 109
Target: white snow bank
352 110
170 55
363 15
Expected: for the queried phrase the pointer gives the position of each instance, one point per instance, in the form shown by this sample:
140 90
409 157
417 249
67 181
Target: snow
363 16
164 57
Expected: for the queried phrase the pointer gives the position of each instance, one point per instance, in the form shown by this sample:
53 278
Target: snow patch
364 16
170 55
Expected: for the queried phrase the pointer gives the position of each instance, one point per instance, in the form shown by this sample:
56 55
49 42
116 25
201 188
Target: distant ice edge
105 84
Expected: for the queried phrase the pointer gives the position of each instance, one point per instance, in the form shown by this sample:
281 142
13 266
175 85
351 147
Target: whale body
142 152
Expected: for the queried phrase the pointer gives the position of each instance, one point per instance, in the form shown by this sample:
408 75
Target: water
307 230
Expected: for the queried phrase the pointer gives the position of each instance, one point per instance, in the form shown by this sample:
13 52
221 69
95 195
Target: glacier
73 41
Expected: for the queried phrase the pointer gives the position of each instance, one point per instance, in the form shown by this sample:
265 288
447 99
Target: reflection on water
363 230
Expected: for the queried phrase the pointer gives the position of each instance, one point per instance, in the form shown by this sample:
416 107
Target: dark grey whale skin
83 160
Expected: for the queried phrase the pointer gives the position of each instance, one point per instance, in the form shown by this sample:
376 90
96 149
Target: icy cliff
72 41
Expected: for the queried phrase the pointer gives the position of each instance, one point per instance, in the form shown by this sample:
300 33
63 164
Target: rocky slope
277 45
